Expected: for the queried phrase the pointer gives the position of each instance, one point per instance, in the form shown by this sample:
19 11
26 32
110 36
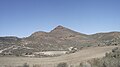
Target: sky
23 17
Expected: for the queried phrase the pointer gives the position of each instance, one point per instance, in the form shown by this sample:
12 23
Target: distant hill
60 38
111 38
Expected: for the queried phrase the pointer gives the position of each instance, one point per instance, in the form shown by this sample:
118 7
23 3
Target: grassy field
71 59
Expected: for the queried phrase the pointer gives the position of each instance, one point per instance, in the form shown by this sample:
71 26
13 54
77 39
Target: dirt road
82 55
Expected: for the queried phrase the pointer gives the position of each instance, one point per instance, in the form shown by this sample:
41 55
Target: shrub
111 59
63 64
85 64
36 65
25 65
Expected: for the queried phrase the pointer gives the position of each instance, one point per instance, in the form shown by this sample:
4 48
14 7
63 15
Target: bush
63 64
25 65
111 59
36 65
85 64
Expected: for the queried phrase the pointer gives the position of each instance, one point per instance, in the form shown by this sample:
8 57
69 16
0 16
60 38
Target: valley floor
72 59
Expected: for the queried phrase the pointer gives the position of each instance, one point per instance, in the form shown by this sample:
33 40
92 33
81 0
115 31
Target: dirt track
82 55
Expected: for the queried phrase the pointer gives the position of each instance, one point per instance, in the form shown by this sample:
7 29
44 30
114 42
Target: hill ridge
60 38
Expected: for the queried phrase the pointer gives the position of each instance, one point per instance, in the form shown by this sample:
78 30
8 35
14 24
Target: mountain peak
61 31
59 27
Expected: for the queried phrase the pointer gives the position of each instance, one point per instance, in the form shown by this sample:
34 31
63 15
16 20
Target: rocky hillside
111 38
60 38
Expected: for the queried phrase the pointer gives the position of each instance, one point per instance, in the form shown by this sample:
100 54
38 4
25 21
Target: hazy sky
23 17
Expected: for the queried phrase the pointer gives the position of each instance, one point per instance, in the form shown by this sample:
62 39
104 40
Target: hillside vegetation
111 59
58 39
